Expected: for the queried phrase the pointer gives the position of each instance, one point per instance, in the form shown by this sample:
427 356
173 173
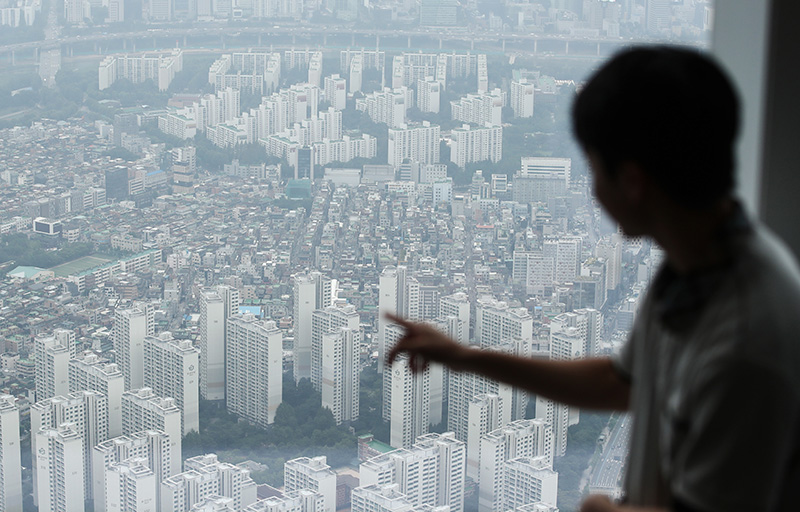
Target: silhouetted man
711 371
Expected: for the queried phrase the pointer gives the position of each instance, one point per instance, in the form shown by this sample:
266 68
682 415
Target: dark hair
673 111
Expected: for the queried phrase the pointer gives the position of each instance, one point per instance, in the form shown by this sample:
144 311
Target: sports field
74 267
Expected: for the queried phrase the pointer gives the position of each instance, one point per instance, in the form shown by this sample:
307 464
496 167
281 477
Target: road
301 31
608 471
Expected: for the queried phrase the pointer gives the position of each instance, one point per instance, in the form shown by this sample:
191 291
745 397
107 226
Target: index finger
399 320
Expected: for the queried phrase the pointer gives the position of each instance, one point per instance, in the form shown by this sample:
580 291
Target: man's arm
589 383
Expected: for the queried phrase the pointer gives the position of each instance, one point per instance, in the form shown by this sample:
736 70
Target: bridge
218 37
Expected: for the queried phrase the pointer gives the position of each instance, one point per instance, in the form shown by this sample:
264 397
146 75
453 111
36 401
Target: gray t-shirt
714 364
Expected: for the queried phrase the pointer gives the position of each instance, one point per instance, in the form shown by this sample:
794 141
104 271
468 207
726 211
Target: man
711 371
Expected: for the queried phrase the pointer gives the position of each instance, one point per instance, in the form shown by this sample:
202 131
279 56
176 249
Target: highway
318 35
608 471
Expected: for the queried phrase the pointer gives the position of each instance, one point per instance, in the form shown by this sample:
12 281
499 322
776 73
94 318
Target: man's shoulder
767 269
763 300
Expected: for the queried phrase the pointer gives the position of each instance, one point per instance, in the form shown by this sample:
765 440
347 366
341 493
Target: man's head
672 113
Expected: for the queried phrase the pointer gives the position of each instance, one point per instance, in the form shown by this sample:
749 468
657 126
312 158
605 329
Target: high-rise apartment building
522 97
476 144
130 487
311 473
128 333
205 477
528 480
430 473
340 373
10 465
254 369
380 498
216 307
150 448
53 353
485 413
497 323
142 410
522 438
610 249
405 295
463 388
417 142
565 251
571 335
87 414
304 500
60 485
212 346
479 109
171 369
91 372
428 94
456 306
312 291
336 91
328 320
409 399
388 106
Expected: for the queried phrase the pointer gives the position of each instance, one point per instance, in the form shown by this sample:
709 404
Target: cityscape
208 208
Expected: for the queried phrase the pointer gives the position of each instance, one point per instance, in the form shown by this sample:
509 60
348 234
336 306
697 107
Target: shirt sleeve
738 438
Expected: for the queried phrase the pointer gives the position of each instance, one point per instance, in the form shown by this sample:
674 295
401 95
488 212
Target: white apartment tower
457 306
142 410
380 498
569 337
463 388
336 91
152 447
128 333
485 413
171 369
59 480
212 346
311 473
528 480
304 500
480 109
417 142
430 473
388 106
254 364
522 98
205 477
312 291
428 94
234 481
523 438
10 472
403 294
131 487
90 372
340 373
475 144
87 414
565 252
327 320
409 401
497 323
356 73
52 355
